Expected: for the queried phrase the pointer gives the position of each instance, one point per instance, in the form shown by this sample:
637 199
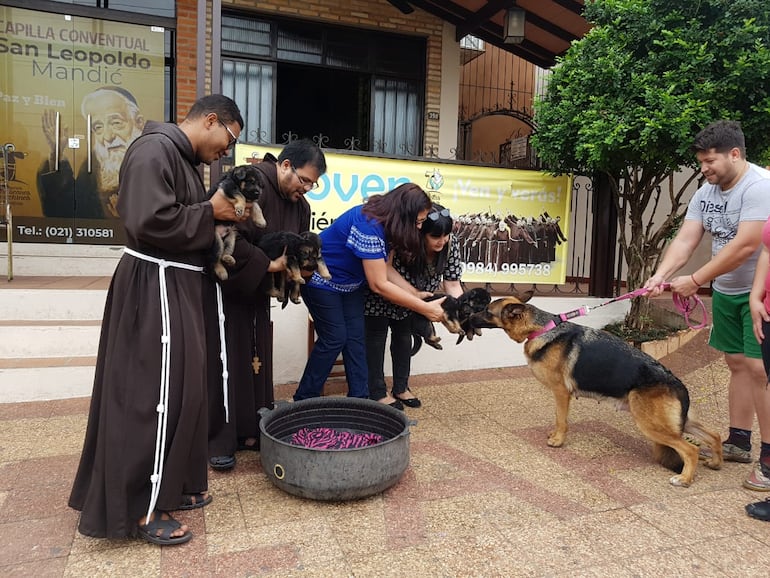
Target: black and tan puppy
457 315
460 313
573 360
303 253
240 185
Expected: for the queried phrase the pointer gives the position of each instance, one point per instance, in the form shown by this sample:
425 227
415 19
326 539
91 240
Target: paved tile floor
483 496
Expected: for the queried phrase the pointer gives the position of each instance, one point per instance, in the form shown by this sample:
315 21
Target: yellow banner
74 93
511 225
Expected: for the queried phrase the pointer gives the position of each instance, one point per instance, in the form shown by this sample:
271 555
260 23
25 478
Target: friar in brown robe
248 328
146 438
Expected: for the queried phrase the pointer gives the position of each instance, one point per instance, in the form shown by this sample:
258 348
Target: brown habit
162 207
247 326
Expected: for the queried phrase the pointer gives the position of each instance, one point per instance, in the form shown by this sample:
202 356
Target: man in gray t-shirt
720 212
732 206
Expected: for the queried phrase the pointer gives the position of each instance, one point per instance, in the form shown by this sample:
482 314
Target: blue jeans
339 323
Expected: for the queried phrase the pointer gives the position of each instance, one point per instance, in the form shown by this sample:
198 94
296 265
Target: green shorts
731 331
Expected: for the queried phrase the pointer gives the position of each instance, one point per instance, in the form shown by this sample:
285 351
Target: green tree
627 99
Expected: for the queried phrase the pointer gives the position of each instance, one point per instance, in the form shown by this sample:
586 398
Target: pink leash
685 306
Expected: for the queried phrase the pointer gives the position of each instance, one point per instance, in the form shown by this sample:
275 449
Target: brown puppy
573 360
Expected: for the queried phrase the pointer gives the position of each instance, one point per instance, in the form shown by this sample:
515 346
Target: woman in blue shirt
356 248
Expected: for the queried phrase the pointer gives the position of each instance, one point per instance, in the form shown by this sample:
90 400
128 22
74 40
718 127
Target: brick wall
186 55
373 14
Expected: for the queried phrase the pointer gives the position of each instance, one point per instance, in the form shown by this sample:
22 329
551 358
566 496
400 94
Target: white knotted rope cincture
165 340
223 350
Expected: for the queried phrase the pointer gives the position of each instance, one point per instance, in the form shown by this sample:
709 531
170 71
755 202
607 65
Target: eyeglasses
304 181
233 138
436 214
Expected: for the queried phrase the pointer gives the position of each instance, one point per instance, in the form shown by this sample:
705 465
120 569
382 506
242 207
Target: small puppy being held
303 253
457 315
463 308
576 361
240 185
423 329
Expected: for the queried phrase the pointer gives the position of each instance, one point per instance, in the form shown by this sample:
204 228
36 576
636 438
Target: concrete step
47 305
39 259
53 339
41 383
47 360
49 336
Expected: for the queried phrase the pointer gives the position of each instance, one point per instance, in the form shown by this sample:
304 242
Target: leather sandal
194 501
159 530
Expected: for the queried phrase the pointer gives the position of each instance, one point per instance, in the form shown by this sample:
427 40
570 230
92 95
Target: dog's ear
312 238
239 172
511 310
526 296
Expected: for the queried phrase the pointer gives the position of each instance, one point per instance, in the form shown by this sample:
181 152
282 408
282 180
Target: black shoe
759 510
412 402
397 405
222 463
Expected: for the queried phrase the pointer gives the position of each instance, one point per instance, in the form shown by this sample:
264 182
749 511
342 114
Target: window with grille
308 57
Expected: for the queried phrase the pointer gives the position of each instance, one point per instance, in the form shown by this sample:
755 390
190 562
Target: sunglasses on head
436 214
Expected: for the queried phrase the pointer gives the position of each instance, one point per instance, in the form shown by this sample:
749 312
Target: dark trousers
400 353
339 322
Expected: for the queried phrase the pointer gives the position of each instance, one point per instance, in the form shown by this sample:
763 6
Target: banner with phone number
511 225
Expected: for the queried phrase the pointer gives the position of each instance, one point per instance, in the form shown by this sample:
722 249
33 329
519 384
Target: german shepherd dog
573 360
457 315
303 253
240 185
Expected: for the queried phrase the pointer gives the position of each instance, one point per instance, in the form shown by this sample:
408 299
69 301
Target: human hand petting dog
224 210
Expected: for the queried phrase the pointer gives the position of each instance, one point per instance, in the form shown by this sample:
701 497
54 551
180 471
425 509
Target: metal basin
334 474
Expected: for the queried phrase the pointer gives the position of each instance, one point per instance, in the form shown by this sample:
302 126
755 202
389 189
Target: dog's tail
712 440
416 344
669 458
